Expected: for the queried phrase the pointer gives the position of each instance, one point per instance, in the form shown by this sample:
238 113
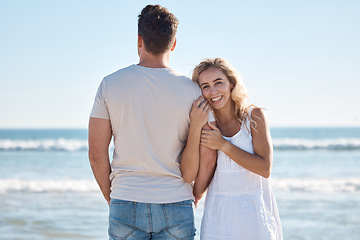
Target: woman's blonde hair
238 93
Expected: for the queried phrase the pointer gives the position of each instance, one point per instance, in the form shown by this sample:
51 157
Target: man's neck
151 61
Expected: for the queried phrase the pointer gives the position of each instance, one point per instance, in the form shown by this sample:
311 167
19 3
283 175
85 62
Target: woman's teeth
216 99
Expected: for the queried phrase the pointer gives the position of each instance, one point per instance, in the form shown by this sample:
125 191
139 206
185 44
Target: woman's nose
213 89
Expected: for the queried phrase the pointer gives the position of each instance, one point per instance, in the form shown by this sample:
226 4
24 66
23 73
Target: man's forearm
207 168
99 140
206 172
101 168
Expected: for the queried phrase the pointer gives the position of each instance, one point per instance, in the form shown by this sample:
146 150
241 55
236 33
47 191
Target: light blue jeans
138 221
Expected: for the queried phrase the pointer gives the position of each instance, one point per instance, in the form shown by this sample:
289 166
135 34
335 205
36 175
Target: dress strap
250 110
248 122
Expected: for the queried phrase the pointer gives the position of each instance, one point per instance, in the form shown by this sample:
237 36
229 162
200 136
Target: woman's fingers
203 141
203 104
207 107
206 131
198 101
199 113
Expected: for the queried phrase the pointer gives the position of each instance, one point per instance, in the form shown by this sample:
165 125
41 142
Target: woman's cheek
205 94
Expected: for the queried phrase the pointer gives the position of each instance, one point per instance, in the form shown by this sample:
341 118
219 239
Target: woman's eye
217 83
204 87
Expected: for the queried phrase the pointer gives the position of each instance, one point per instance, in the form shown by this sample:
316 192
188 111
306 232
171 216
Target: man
145 108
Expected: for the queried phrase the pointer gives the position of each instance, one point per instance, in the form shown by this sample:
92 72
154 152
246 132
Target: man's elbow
92 158
95 156
92 153
188 178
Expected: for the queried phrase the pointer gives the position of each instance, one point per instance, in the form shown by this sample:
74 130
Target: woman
240 203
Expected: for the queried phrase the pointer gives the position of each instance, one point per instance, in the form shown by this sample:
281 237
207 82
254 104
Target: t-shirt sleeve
100 109
199 93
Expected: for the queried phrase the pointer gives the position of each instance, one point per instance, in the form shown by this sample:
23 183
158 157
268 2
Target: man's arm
99 141
207 166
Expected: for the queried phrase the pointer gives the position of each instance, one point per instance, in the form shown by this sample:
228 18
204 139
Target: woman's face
215 87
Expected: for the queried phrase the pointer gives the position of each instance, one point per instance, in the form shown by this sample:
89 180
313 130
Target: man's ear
140 41
174 45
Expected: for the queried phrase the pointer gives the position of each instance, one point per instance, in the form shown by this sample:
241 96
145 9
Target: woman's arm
261 161
189 163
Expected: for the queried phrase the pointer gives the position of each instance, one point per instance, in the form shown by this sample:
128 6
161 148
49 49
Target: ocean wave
348 185
40 186
316 144
62 144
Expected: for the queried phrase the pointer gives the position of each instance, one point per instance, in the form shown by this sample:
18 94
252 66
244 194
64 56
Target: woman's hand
199 113
212 138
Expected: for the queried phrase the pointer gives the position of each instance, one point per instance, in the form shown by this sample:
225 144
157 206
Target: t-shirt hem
97 116
156 201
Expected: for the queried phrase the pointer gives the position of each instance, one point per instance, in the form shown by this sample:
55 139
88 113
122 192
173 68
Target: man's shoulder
187 81
179 75
121 72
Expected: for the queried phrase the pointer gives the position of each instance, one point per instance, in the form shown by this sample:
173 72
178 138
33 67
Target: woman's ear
232 85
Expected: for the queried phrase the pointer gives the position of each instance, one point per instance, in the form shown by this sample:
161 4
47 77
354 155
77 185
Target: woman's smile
216 99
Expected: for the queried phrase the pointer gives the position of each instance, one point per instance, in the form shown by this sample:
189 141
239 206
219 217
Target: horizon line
271 126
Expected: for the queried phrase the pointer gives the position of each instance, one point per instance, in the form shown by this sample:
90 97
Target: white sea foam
348 185
313 144
82 145
44 145
36 186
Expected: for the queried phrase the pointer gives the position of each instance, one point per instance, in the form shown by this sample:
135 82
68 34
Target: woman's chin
215 106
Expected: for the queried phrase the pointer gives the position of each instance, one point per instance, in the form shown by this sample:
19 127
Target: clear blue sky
299 59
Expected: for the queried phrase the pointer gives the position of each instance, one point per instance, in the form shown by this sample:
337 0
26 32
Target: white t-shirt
149 113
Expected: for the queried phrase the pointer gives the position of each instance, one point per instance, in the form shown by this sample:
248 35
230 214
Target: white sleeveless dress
239 205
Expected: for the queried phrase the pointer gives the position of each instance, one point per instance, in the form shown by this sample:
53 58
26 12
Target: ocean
47 189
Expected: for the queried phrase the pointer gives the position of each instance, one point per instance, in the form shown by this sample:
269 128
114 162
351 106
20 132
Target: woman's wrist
223 145
195 127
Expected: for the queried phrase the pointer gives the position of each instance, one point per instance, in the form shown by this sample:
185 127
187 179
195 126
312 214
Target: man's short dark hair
157 27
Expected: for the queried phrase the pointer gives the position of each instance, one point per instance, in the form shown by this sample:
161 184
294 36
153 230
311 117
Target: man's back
149 113
145 107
